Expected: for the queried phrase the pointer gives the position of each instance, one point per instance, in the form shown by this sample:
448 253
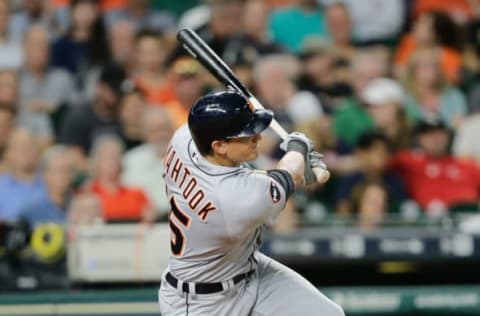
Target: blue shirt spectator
15 193
42 209
50 204
21 181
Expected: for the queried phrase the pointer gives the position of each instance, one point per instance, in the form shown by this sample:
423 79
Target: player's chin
253 154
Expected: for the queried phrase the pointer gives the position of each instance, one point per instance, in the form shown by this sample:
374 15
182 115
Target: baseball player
219 207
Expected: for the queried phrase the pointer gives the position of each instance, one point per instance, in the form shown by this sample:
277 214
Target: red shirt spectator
117 201
446 179
435 179
106 5
450 59
123 203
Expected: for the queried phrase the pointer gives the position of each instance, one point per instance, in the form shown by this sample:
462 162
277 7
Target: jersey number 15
177 242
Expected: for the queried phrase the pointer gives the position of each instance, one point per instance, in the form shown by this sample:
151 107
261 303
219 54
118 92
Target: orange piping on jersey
169 160
206 209
194 201
176 169
189 188
185 174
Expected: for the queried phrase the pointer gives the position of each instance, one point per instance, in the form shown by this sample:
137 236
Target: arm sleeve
284 179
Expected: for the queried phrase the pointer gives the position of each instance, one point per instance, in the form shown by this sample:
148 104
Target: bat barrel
199 50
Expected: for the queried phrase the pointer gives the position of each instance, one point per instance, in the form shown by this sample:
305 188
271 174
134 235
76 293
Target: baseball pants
272 290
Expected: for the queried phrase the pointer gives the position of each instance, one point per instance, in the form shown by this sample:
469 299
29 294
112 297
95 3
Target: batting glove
297 141
316 170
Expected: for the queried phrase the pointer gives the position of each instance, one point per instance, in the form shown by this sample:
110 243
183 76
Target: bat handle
277 128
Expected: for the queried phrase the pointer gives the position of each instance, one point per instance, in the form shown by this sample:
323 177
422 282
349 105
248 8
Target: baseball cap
383 91
429 124
113 76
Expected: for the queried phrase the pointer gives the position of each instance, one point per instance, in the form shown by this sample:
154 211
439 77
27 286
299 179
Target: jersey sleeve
249 200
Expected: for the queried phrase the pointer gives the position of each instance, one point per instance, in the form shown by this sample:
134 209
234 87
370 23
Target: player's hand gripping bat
218 68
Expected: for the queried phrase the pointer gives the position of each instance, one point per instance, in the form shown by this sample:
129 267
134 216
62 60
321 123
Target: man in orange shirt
118 202
432 30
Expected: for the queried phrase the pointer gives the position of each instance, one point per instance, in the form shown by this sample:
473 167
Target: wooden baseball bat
199 50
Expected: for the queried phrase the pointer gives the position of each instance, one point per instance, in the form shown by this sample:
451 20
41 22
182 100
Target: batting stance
219 208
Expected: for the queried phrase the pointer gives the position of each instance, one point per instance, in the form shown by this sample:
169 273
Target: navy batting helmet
224 115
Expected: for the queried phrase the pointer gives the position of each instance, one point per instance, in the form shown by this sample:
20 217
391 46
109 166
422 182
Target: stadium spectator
274 78
8 88
143 165
370 201
461 11
290 26
252 42
11 54
429 92
44 90
188 85
34 12
132 106
466 143
142 16
21 181
340 30
373 154
434 178
195 17
83 124
473 40
375 21
255 27
85 209
51 204
7 123
385 100
83 47
122 42
320 72
150 73
433 30
119 202
351 119
224 24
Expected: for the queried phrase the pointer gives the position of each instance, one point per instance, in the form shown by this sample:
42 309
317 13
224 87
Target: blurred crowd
92 91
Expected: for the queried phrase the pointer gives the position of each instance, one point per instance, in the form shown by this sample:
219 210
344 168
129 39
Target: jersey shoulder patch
274 192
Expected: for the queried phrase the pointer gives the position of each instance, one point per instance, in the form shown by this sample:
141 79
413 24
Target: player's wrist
297 146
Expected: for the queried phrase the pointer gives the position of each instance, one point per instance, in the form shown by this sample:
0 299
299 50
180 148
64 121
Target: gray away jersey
217 213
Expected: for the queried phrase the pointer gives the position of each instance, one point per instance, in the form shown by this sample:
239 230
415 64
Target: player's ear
219 147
